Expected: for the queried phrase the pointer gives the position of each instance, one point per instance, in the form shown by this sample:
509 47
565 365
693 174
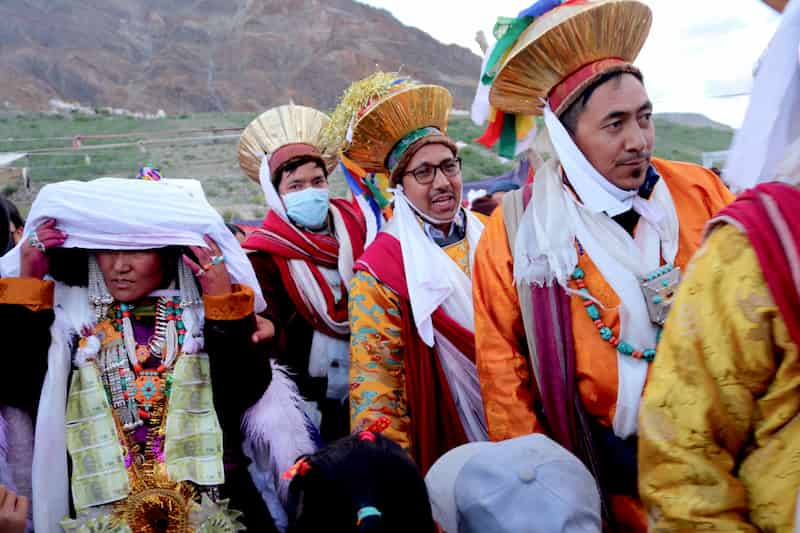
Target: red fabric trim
279 237
770 216
337 311
284 241
435 425
434 431
290 151
578 79
493 131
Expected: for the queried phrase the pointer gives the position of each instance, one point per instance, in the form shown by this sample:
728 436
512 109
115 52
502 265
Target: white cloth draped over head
772 121
109 214
435 280
124 214
545 252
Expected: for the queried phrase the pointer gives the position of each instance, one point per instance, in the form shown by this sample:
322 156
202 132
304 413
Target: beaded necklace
149 385
578 277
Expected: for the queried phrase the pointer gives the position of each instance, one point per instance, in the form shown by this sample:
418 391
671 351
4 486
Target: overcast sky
696 49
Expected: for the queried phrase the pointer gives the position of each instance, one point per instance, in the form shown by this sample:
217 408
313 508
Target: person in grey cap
528 484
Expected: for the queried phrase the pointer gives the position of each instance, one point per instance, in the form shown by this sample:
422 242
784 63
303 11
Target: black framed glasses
426 173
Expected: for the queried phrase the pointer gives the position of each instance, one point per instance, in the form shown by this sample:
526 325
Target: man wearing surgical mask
303 256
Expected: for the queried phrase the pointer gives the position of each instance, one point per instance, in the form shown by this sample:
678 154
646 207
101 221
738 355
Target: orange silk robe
502 354
719 441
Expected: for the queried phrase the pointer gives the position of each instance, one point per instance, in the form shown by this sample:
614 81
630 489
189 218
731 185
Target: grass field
166 144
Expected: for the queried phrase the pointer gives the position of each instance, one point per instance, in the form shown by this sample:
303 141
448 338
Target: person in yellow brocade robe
723 395
719 446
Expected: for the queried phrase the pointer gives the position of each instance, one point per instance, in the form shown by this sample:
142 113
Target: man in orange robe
574 274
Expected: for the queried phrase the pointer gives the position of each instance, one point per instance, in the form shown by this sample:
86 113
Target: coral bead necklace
578 278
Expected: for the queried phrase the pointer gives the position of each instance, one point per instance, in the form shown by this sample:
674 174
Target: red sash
434 430
769 214
284 241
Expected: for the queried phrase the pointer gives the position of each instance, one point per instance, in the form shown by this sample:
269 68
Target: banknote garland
135 468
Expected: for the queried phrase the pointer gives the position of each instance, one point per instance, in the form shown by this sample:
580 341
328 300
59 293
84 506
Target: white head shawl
117 214
772 122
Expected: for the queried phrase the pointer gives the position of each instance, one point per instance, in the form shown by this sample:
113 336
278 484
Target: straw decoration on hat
561 42
283 133
377 112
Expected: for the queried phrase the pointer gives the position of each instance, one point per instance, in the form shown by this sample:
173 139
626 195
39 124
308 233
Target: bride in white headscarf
150 365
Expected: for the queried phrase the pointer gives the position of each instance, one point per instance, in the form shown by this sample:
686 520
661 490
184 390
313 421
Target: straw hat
377 112
561 42
296 128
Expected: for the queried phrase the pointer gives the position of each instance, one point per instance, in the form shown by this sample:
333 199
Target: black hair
570 116
234 228
295 163
13 213
6 239
355 473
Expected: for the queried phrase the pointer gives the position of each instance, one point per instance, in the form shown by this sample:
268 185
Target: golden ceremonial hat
283 133
377 112
559 44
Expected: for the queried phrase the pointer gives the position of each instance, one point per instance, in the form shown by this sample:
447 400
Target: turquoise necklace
578 277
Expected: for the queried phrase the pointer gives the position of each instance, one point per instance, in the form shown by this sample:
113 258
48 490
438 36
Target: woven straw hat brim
377 131
561 42
277 127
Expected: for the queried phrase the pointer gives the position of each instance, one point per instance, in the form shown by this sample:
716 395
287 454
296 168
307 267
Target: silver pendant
659 289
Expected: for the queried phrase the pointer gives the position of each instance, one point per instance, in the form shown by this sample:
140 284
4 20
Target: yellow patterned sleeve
377 375
705 398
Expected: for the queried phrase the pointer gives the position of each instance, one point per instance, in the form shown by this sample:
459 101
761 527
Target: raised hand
211 272
265 330
34 262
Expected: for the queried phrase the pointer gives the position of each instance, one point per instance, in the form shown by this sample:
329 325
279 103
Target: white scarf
435 280
324 349
107 213
544 251
772 121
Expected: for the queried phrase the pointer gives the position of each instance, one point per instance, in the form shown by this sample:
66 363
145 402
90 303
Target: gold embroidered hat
283 133
381 116
565 49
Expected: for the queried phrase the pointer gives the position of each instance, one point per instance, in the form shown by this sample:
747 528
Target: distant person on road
303 255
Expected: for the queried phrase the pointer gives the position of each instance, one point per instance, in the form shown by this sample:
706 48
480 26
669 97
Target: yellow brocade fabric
719 446
378 400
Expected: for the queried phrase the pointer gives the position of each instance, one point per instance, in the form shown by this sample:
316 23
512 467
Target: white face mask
308 208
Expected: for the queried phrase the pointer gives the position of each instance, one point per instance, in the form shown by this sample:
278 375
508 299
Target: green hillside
203 146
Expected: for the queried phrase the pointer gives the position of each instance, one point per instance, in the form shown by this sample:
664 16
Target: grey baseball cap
528 484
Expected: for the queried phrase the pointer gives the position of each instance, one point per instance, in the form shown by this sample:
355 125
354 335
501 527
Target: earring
190 294
99 296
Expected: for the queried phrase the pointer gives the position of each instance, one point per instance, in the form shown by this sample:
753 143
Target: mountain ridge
212 55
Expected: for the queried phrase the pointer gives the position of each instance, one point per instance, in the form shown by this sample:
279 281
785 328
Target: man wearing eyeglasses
412 351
